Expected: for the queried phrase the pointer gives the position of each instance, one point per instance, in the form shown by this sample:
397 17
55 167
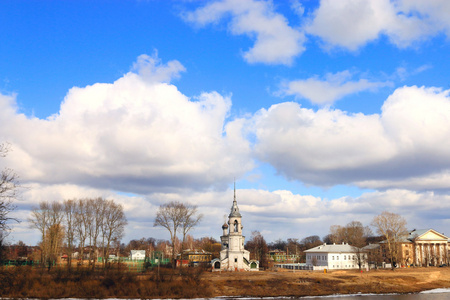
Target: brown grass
309 283
24 282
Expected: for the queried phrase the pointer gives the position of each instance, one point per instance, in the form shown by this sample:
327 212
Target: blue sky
325 112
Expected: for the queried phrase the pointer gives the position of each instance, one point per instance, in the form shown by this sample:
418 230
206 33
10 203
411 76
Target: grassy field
24 282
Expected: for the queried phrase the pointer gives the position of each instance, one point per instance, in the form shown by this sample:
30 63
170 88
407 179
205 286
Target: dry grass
308 283
24 282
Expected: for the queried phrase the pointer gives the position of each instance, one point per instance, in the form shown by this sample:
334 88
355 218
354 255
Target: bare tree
98 208
8 192
39 220
70 211
81 221
292 246
311 241
173 217
393 227
278 245
354 233
190 218
55 231
258 249
48 220
374 254
113 226
360 257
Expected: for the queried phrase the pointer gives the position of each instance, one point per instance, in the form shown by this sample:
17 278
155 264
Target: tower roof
234 208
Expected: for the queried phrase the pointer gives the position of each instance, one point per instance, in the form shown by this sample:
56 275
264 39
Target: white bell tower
233 256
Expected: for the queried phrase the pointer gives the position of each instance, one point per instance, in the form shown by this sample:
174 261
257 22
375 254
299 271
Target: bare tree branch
393 228
176 216
9 185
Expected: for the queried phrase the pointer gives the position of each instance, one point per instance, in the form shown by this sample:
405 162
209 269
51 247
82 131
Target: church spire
235 209
234 191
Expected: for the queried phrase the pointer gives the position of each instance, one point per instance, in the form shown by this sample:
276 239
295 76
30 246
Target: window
332 258
345 257
236 226
235 259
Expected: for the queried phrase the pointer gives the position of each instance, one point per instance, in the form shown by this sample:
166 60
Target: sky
321 112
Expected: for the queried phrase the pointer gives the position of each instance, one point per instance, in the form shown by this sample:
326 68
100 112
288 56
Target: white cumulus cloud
152 69
275 41
353 23
133 135
406 142
333 87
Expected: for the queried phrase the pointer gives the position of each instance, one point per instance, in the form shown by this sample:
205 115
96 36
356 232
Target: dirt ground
314 283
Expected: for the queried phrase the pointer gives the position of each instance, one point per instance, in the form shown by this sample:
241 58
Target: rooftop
325 248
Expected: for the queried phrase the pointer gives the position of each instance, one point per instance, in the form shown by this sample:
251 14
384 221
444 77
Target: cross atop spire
234 190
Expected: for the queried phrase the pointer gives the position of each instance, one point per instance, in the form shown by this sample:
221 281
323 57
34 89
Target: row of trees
96 223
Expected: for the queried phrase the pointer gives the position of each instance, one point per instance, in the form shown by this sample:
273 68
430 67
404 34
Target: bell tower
233 256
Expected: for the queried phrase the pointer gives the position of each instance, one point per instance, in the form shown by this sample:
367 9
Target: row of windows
199 257
345 257
321 257
318 257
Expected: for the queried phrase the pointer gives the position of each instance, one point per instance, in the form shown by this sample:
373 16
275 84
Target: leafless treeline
96 223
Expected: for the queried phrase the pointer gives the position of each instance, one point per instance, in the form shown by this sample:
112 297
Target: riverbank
309 283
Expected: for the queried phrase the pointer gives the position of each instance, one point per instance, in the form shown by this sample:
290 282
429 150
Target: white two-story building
137 255
335 257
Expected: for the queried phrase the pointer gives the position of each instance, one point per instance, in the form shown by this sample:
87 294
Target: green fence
128 265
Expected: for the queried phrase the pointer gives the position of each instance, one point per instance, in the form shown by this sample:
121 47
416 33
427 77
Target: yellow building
194 257
425 247
429 247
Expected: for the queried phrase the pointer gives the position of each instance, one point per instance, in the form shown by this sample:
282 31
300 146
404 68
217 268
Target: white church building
233 256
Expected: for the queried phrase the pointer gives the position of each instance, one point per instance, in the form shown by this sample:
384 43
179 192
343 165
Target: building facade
194 257
137 254
336 257
424 247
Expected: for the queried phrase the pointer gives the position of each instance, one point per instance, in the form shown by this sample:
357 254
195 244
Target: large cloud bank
137 134
406 146
276 214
